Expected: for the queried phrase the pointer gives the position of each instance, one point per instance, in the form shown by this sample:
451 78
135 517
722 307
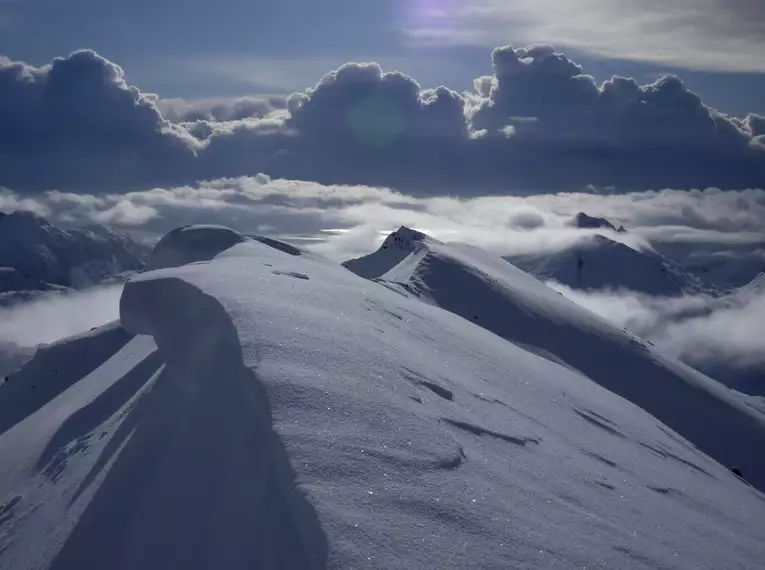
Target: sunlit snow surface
296 415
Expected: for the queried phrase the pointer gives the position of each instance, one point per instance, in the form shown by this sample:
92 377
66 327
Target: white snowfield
276 411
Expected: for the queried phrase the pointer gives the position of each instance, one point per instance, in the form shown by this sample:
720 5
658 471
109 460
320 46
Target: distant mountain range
597 262
37 256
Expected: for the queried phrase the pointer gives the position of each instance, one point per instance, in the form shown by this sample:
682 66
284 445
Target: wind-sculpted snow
191 244
203 462
290 414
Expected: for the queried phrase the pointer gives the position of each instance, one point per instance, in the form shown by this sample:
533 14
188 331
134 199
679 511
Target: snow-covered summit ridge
394 249
190 244
286 413
201 243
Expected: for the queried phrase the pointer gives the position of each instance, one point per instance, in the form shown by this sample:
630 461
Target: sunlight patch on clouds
704 34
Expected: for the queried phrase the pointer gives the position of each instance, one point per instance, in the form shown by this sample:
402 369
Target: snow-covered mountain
597 262
583 221
44 256
263 407
755 287
729 266
14 286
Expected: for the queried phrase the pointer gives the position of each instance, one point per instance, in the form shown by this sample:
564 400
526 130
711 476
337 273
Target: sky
195 48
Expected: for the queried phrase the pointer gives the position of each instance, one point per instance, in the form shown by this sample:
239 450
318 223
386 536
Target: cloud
721 35
219 109
538 124
709 229
609 132
720 335
54 317
77 123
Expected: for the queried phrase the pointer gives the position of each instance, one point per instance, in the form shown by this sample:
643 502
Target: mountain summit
583 221
396 247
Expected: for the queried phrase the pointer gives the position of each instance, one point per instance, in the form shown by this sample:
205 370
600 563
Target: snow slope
76 258
601 263
278 411
509 302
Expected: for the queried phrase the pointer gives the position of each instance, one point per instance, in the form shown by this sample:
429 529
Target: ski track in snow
277 411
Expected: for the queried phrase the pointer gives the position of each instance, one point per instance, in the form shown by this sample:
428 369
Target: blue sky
196 49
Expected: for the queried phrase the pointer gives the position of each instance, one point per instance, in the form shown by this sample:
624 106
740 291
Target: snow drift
274 410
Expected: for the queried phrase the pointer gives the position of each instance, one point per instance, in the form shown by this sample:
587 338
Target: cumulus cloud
77 123
558 115
538 124
722 336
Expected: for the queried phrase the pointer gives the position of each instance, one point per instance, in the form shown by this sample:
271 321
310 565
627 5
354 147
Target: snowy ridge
192 244
396 248
503 299
285 413
755 286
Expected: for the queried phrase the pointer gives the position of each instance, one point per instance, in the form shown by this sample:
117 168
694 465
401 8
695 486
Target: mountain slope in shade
44 253
597 262
16 287
276 411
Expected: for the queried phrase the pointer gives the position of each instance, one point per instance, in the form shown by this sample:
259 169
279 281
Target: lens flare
430 15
